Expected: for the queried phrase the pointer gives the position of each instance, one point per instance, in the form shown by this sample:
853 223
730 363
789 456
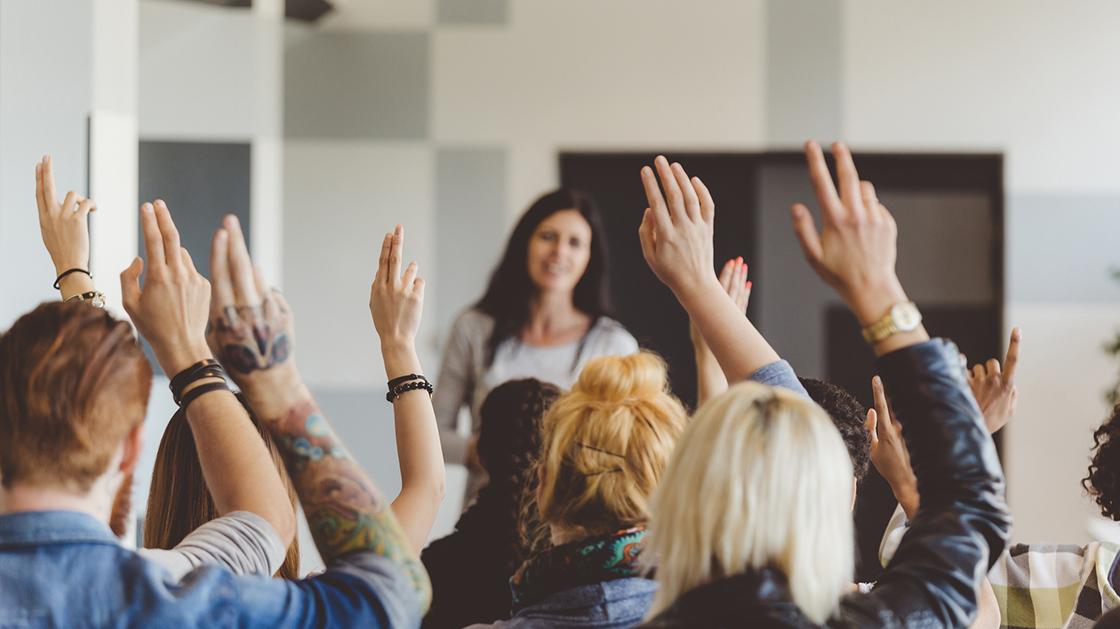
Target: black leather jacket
960 529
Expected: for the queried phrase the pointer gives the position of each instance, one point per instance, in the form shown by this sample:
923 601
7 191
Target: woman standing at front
544 315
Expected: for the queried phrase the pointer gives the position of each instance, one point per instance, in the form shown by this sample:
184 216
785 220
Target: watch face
906 316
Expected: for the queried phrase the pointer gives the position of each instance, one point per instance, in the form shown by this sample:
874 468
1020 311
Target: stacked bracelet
201 370
93 297
404 384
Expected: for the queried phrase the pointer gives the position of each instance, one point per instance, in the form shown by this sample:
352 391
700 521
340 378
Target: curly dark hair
1103 481
508 445
849 416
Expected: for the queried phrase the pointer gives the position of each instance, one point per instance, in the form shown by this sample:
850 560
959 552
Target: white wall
1037 81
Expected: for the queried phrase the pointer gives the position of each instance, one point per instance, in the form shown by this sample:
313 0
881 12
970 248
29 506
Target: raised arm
676 237
962 523
396 302
251 327
710 379
63 226
170 311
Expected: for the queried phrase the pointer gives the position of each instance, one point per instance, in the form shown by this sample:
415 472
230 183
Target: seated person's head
73 394
510 437
760 479
849 417
1103 481
179 501
605 446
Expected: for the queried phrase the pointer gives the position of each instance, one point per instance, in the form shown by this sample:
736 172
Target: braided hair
508 445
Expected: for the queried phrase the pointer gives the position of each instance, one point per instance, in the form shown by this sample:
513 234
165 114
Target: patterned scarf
587 561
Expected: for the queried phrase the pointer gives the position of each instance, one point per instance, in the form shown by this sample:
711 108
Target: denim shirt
67 569
614 604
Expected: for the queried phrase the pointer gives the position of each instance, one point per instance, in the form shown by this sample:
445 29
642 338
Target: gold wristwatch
903 317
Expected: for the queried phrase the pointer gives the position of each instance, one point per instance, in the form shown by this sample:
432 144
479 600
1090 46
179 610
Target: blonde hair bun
619 379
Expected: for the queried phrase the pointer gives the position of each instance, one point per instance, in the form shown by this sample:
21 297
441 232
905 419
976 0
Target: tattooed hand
251 329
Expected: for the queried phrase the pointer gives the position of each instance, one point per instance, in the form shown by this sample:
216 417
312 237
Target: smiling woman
545 313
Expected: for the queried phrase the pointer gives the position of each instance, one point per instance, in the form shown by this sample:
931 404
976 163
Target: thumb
130 285
806 231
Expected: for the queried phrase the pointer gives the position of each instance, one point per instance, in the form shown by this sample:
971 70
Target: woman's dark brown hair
1103 481
179 501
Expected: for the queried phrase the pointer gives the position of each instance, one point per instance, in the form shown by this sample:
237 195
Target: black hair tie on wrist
61 276
404 384
201 390
208 368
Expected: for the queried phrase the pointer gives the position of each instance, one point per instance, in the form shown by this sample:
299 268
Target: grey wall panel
356 85
470 225
1061 247
804 95
472 11
201 182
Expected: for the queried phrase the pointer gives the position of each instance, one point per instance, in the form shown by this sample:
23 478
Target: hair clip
607 452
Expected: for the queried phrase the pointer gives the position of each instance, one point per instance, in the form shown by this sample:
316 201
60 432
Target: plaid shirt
1041 586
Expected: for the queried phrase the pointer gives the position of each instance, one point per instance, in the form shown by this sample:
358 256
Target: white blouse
464 380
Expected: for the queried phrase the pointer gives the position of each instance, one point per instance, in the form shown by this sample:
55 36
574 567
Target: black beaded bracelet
402 379
61 276
201 390
414 385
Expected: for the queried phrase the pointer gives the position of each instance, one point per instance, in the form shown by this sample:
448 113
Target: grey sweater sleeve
779 374
241 541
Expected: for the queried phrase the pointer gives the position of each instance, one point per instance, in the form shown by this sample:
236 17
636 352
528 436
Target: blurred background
990 129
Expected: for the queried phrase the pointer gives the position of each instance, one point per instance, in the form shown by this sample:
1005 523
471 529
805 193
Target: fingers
806 230
978 371
691 200
872 426
169 234
727 274
50 197
1011 361
410 273
707 203
221 283
849 180
657 210
186 260
383 260
870 200
395 253
69 204
153 240
40 200
831 207
992 367
646 237
418 289
130 285
85 206
673 194
240 265
880 397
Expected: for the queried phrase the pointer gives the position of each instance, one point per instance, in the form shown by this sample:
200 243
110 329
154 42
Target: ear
133 446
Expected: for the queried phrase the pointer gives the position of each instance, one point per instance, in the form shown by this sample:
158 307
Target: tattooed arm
396 302
251 331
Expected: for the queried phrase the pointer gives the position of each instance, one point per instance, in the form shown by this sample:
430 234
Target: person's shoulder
473 321
613 335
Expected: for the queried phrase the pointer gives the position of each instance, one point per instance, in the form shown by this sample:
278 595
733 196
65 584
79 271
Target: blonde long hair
606 443
760 479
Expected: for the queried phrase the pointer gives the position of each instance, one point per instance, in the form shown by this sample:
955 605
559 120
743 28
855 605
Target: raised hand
396 301
251 329
855 250
170 311
888 451
995 388
63 228
710 379
676 230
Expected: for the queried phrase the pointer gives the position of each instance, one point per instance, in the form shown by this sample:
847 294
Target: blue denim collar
38 528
